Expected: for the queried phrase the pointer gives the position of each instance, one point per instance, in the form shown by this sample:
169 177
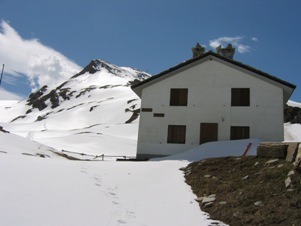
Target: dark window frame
176 134
160 115
146 110
239 132
240 97
178 97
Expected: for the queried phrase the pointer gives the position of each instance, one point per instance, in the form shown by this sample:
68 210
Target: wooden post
2 73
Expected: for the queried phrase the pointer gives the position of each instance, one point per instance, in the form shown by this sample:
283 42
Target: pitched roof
158 77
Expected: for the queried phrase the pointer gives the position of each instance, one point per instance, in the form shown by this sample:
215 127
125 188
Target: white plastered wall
209 100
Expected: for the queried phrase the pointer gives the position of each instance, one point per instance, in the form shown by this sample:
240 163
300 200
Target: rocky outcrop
292 114
48 98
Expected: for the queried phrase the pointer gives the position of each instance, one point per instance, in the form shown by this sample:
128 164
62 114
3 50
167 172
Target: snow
294 104
55 191
292 132
216 149
39 187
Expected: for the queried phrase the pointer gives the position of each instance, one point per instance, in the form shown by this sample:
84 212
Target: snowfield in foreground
55 191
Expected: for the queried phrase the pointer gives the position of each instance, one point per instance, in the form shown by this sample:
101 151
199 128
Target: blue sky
64 35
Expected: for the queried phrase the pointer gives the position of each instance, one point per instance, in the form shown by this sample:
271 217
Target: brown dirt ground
235 196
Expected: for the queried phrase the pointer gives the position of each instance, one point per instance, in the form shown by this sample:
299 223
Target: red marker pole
247 149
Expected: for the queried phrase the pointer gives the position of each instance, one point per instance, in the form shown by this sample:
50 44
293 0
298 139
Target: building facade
208 98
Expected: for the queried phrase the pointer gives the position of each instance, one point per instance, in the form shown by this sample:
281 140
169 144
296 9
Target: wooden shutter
240 97
176 134
178 97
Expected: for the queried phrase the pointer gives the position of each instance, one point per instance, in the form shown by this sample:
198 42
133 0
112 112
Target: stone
187 172
199 199
258 203
210 198
268 163
245 177
237 215
208 204
272 150
291 151
288 182
290 173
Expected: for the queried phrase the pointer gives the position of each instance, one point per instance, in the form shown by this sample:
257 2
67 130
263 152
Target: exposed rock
199 199
182 168
288 182
134 116
268 163
290 173
291 151
208 204
259 204
3 130
245 177
292 114
210 198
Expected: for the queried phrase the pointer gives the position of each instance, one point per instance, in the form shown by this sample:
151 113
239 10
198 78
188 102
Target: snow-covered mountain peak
97 75
98 65
96 105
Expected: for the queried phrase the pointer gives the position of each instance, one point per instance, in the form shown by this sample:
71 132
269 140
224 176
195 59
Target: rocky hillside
252 190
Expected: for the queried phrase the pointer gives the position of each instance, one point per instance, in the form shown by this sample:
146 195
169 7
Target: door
208 132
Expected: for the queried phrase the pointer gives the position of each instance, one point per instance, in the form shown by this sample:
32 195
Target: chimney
227 52
198 50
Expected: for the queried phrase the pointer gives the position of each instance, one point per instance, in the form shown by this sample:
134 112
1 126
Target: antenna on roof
2 73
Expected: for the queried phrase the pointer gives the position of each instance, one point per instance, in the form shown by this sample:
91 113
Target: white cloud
235 41
254 39
41 64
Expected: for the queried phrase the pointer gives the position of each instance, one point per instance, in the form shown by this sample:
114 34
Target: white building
208 98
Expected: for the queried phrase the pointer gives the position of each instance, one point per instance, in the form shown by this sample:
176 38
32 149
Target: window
159 115
176 134
146 109
240 97
240 132
178 97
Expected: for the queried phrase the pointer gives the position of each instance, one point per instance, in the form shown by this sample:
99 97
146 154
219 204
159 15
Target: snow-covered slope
93 110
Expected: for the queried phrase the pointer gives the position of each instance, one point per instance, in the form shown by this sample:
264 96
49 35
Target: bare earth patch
247 191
